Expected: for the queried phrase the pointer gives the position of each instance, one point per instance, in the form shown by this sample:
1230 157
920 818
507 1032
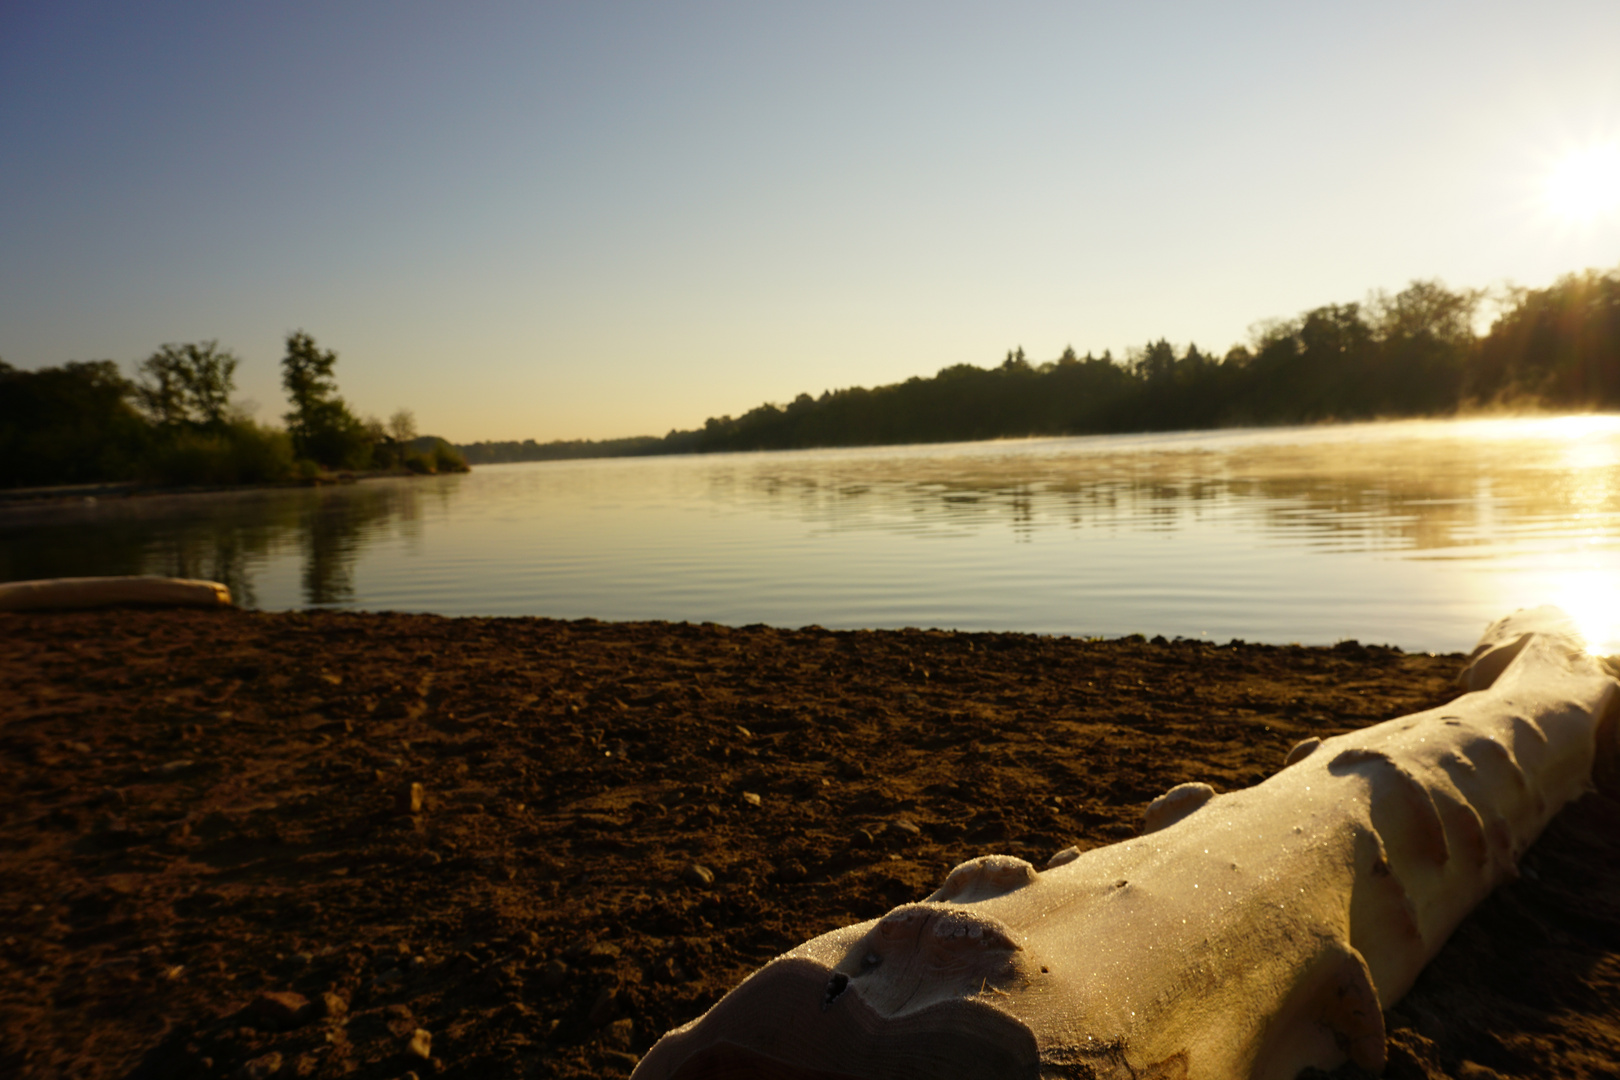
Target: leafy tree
320 423
1426 309
1558 346
1157 362
68 425
1425 337
188 384
402 425
306 375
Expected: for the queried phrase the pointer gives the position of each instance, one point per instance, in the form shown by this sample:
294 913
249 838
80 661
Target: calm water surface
1412 533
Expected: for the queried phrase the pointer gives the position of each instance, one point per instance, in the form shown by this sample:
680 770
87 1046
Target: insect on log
1250 934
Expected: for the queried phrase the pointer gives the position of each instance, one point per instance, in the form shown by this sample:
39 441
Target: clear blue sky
595 219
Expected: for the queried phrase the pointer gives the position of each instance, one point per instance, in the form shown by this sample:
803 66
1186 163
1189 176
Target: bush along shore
174 425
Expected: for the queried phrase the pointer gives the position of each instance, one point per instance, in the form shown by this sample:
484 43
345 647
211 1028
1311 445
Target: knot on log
1174 805
985 877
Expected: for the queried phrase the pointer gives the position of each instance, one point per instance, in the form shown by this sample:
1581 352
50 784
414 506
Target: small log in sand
1252 934
91 592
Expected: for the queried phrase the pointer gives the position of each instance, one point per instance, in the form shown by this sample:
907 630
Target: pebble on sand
421 1044
261 1068
619 1060
410 799
282 1007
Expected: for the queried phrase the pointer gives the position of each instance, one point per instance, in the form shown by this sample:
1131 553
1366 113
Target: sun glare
1586 184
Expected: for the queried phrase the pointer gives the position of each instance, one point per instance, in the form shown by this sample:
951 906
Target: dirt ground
210 865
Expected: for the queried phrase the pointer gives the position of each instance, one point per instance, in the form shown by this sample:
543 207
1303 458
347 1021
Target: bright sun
1586 184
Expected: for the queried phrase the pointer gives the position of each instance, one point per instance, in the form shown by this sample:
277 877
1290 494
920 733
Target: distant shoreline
485 457
60 494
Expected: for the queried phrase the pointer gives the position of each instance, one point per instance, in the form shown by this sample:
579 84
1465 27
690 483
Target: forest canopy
1413 353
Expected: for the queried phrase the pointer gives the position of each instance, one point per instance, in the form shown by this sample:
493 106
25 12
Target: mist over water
1411 533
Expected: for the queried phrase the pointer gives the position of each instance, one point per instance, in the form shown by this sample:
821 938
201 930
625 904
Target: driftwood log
1251 934
89 592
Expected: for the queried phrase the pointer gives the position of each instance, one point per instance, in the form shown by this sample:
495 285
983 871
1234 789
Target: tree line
1414 353
176 423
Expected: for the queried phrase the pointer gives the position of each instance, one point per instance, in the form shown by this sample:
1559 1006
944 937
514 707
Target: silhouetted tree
72 424
1558 346
187 384
320 423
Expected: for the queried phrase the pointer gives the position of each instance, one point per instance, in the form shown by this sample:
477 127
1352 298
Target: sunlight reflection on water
1415 533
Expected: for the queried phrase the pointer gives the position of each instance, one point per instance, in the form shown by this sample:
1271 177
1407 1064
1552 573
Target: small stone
298 961
410 799
421 1044
1067 855
282 1007
554 975
604 951
604 1007
173 768
399 1019
261 1068
619 1034
698 874
751 798
1471 1070
906 827
79 747
619 1060
333 1006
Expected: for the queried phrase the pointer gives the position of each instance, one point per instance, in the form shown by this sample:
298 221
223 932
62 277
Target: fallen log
88 592
1251 934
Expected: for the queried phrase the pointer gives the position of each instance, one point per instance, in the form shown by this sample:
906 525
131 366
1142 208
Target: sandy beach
370 845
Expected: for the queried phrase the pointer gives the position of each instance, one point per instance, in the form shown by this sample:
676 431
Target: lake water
1410 533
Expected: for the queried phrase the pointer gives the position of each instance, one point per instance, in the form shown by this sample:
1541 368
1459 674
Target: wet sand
210 865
